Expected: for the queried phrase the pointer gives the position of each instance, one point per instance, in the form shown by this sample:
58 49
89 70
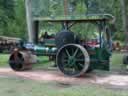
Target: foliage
6 13
18 26
12 17
13 21
55 8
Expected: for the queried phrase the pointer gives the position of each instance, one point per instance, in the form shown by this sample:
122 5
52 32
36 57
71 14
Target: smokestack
29 21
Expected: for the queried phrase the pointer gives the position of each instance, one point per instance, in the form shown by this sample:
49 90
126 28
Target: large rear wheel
73 60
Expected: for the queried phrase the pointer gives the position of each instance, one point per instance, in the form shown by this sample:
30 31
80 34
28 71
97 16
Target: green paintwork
42 50
100 60
49 42
99 56
72 60
47 47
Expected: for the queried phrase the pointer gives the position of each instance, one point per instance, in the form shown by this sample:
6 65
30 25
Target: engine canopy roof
84 18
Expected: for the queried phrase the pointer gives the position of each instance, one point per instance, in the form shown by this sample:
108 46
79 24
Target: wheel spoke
71 60
76 51
76 67
67 53
70 70
73 70
81 65
79 55
66 65
78 60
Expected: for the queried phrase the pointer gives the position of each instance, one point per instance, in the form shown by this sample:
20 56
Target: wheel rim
73 60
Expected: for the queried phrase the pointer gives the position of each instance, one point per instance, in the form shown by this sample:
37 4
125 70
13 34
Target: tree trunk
124 18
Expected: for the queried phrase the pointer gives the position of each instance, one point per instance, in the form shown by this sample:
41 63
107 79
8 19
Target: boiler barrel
45 50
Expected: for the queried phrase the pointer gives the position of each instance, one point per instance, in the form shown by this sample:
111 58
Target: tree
17 26
124 18
13 19
6 13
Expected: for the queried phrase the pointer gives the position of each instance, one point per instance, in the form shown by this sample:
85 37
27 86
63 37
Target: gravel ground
109 79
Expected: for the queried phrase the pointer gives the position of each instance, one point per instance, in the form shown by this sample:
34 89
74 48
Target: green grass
23 87
15 86
117 60
4 60
44 63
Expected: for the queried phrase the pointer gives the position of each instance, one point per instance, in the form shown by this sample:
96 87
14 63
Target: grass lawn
23 87
116 61
4 60
15 86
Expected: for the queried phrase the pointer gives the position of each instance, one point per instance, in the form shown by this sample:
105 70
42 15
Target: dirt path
114 79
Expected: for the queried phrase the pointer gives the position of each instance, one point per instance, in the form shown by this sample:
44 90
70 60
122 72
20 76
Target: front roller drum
73 60
21 60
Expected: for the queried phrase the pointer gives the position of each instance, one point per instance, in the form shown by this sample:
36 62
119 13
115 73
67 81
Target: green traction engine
74 55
